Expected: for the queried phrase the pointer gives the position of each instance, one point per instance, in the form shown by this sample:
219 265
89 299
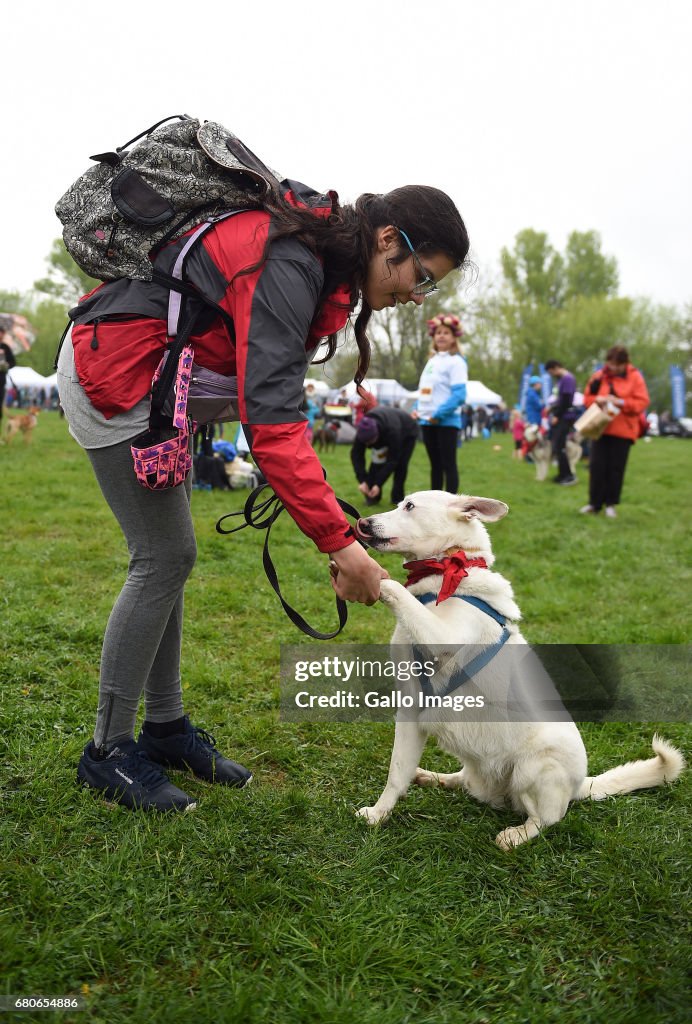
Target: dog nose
364 528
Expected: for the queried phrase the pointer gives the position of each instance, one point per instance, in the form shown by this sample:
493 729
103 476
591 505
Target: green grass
276 904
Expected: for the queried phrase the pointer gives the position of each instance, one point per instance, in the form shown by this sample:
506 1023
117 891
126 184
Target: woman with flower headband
442 390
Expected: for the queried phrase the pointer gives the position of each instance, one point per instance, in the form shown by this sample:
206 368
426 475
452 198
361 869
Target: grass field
276 904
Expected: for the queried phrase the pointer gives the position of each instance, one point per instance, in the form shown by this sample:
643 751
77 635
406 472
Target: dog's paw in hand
372 816
389 591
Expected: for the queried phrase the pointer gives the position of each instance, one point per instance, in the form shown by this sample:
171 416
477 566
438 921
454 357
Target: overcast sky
550 114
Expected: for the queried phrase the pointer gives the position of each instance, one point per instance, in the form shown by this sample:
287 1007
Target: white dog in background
536 767
542 452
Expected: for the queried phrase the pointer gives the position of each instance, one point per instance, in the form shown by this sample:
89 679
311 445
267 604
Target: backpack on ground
135 200
209 473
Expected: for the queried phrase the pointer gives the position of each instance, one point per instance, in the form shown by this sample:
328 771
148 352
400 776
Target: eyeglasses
426 286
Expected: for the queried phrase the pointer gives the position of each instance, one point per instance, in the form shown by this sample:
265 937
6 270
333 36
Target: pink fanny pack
161 455
161 461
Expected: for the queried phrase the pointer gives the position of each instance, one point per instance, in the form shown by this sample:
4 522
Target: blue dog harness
465 674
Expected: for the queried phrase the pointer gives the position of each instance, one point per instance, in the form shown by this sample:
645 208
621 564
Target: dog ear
488 510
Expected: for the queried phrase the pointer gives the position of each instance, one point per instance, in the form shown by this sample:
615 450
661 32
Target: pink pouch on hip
161 458
161 455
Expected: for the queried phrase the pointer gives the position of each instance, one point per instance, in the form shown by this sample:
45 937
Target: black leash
262 516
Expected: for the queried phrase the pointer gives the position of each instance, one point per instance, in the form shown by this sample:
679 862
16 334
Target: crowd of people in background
383 436
617 387
25 398
442 419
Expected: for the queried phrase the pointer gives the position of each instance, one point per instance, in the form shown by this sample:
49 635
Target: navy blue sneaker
128 777
194 750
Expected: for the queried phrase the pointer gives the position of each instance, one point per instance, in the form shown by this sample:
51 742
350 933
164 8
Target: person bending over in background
392 435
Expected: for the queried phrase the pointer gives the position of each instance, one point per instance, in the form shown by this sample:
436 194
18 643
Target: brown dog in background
24 424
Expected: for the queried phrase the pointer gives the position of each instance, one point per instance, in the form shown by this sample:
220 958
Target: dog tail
665 767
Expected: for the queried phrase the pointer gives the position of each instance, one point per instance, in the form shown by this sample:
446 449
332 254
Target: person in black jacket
7 362
392 435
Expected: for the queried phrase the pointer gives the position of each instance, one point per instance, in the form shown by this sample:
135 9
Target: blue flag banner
524 385
546 383
677 390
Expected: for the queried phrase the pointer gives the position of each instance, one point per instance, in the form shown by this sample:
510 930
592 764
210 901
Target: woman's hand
606 400
364 488
355 575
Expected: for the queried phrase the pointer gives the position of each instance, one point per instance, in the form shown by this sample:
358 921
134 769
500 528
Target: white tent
479 394
52 381
386 390
25 377
390 391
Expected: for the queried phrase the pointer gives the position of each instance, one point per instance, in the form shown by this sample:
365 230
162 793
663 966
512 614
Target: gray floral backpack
136 199
118 215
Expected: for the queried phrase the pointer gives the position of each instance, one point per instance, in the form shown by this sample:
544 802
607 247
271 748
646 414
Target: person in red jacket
287 278
621 385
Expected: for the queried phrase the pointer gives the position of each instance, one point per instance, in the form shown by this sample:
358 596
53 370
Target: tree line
542 304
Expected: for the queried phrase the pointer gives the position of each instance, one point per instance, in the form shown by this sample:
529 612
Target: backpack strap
169 371
148 131
61 343
178 287
114 157
190 290
181 321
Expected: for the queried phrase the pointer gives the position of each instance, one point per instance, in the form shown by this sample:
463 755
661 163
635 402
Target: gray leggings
141 646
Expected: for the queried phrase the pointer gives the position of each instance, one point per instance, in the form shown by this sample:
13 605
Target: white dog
537 767
542 452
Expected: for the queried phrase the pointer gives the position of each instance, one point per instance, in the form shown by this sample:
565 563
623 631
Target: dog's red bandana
452 568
